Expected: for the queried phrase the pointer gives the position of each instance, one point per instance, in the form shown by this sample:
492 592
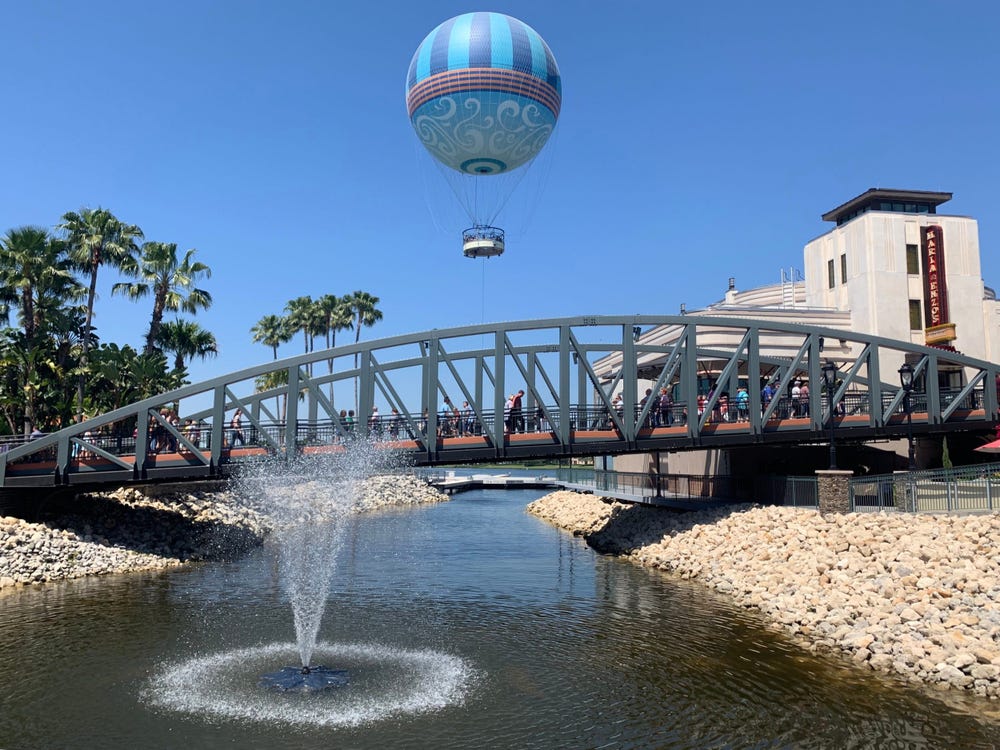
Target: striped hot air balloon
483 93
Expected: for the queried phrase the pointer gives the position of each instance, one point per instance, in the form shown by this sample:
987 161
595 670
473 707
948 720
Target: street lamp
829 371
906 380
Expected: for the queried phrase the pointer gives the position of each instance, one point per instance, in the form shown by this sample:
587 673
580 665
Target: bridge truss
441 397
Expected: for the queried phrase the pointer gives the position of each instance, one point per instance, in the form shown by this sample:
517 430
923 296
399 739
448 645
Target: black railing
533 419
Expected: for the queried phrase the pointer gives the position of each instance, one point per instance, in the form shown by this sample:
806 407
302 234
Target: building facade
906 272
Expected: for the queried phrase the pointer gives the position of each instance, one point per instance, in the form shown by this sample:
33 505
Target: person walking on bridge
236 429
468 422
517 413
742 404
665 405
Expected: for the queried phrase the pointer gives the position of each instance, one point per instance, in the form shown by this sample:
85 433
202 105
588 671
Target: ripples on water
386 682
466 625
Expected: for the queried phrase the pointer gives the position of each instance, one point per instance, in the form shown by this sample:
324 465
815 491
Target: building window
912 260
915 317
843 268
830 277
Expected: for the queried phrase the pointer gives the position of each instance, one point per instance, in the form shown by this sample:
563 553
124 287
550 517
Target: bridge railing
577 375
118 440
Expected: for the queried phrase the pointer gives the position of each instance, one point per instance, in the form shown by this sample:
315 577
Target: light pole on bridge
906 380
829 371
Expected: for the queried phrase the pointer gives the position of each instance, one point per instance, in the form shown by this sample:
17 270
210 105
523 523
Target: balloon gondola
483 93
482 242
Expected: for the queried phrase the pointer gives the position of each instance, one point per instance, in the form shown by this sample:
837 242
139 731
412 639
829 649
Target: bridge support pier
834 490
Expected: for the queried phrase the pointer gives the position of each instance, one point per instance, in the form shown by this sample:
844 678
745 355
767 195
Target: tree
302 317
305 315
272 331
35 279
270 381
35 275
122 376
365 313
337 316
186 339
29 365
170 282
275 380
97 238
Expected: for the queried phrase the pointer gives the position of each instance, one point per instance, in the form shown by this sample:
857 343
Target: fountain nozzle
305 679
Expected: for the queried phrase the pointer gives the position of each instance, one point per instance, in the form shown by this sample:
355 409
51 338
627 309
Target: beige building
906 272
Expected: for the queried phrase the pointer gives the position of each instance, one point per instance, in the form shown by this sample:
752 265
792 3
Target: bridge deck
581 380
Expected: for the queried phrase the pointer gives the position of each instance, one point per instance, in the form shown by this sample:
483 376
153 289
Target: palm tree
301 317
337 316
97 238
20 252
304 315
269 381
170 281
364 312
272 331
35 277
362 305
186 339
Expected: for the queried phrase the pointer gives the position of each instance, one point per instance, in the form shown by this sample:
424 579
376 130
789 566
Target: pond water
467 624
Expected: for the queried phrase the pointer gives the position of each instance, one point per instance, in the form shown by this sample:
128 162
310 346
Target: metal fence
798 492
647 485
779 490
968 489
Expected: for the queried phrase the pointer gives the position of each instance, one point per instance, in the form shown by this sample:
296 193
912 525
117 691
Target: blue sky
696 142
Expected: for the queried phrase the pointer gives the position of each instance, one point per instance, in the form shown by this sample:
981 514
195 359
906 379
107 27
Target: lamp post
906 380
829 371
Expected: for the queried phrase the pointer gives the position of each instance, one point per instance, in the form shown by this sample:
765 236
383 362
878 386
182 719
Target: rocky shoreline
150 528
916 595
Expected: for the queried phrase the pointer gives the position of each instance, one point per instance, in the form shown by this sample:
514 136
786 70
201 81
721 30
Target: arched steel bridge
570 370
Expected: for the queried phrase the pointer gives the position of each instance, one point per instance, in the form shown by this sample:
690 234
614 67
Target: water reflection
732 682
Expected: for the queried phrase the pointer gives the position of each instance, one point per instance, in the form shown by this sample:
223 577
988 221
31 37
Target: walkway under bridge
440 398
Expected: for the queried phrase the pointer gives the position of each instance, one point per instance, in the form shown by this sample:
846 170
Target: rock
962 660
985 672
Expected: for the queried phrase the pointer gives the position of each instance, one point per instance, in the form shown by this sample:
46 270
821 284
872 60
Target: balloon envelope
483 93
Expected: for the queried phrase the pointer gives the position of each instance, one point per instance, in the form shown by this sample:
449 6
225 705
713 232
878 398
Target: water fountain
310 503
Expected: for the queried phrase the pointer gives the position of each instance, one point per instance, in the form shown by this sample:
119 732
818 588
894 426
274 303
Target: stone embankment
134 529
381 491
913 594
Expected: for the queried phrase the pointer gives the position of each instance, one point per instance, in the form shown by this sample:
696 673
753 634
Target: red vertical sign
935 285
938 330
